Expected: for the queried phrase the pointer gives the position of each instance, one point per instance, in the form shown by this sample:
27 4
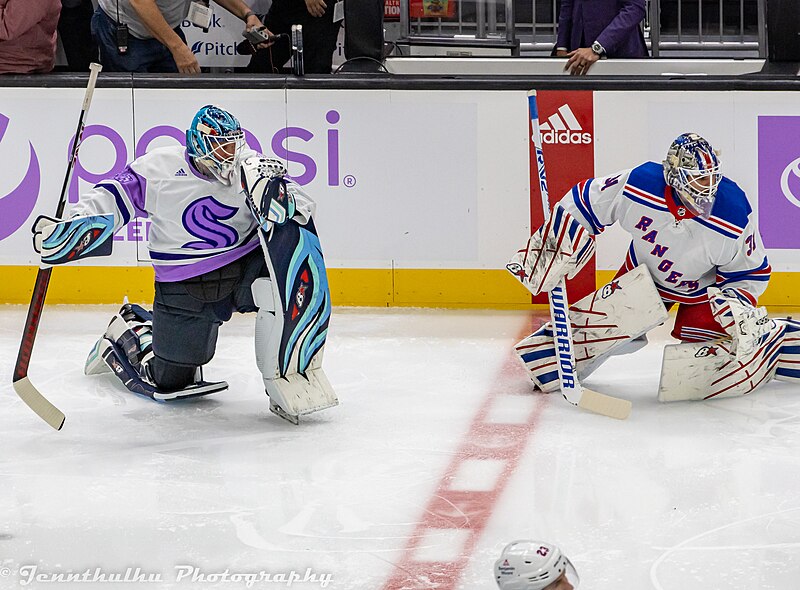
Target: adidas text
562 127
559 137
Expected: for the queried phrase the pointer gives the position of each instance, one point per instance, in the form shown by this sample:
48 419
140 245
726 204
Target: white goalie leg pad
609 321
268 328
710 370
290 395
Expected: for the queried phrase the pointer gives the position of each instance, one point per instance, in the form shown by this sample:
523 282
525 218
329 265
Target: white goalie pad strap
710 370
789 357
604 323
561 247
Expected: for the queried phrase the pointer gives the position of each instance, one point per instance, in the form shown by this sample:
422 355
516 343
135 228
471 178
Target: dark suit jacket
614 23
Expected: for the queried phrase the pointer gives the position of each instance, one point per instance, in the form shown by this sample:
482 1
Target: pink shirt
28 35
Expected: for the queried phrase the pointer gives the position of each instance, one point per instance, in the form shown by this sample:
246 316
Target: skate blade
278 411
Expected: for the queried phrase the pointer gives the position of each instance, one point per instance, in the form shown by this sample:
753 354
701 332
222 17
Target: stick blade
599 403
37 402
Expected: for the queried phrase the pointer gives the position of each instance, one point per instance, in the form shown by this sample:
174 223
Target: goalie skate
125 349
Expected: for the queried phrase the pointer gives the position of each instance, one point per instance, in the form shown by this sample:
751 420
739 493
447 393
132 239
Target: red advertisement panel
391 10
566 119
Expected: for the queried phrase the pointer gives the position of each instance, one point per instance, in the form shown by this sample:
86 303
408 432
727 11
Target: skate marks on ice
758 552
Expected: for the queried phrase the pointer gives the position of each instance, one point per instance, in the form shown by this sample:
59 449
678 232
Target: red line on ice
467 510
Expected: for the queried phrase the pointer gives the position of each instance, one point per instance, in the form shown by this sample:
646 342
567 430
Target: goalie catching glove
561 247
265 191
748 326
66 240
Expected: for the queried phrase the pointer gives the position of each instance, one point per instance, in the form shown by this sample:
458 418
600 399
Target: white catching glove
748 326
266 192
561 247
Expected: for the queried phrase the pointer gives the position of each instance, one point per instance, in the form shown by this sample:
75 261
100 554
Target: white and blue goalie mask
215 140
693 169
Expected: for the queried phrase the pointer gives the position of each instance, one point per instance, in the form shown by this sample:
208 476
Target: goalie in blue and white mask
224 220
695 243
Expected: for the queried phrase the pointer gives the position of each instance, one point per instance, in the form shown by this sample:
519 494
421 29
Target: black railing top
765 81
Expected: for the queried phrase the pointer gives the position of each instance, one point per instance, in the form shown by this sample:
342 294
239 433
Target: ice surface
686 496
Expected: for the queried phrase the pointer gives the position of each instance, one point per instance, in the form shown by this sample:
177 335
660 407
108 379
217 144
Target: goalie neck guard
534 565
215 140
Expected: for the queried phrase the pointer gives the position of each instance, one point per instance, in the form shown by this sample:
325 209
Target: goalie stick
22 384
571 388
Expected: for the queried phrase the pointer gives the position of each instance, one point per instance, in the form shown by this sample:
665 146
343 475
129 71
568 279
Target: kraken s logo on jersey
563 127
790 182
203 219
16 206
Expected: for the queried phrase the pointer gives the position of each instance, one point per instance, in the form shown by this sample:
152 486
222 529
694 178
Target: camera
259 35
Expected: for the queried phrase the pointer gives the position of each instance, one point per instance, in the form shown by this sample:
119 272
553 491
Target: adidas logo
563 127
181 172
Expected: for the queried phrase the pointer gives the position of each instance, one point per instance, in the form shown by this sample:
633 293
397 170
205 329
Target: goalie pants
187 316
696 323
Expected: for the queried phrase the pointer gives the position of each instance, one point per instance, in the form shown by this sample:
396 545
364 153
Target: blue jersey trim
576 197
595 221
633 197
719 230
731 204
121 204
199 255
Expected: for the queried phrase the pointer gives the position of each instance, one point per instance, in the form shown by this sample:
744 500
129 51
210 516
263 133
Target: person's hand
185 60
253 22
316 7
562 53
580 60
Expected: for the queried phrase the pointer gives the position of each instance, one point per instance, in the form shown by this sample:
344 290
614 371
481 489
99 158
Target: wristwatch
598 49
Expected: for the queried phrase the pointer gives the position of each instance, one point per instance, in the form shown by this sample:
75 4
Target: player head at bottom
534 565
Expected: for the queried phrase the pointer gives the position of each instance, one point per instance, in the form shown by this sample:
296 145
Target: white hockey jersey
685 254
197 224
